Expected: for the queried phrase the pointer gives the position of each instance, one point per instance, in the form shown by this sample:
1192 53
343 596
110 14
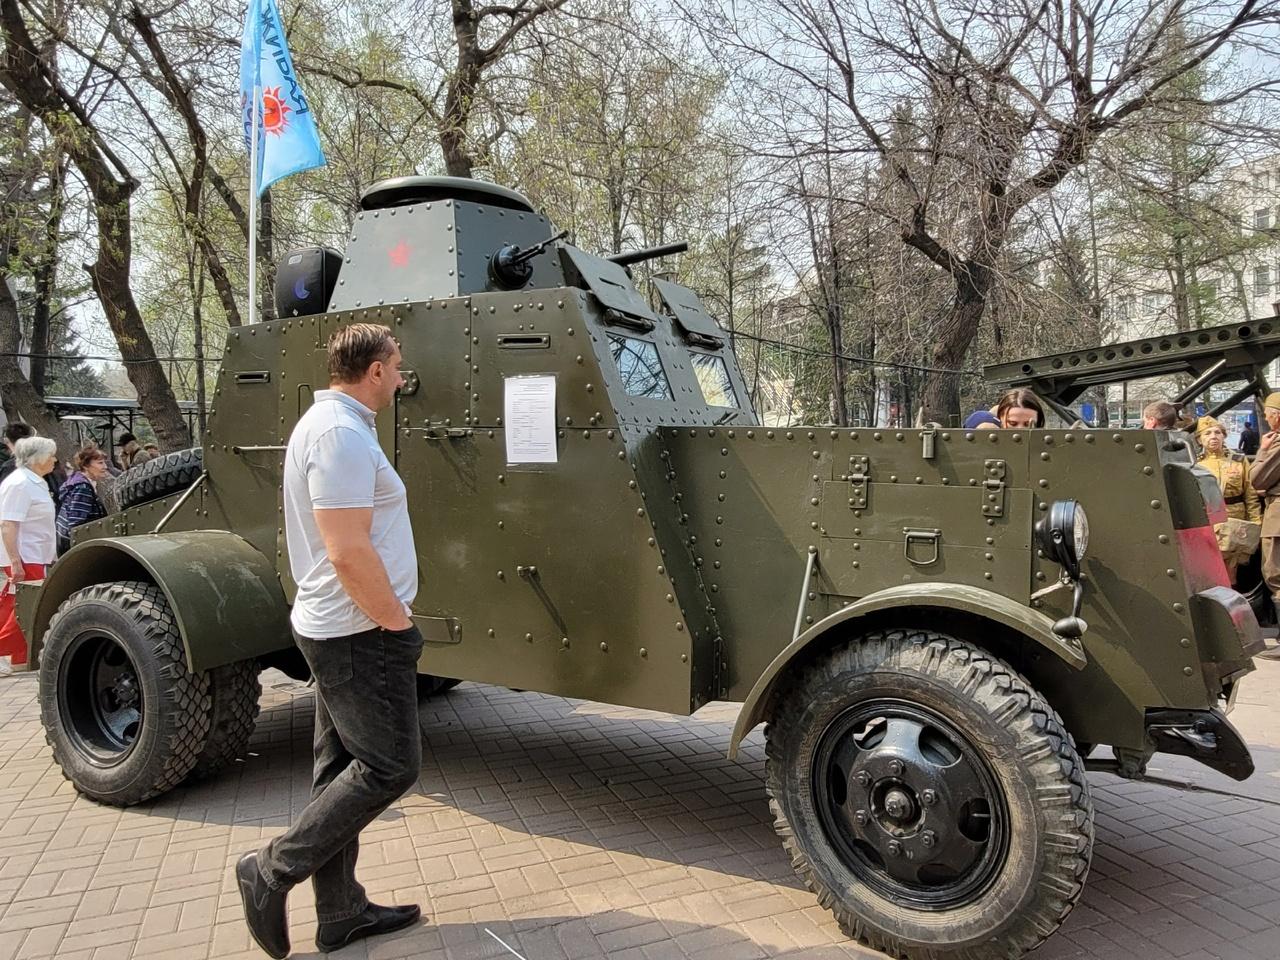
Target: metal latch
993 488
910 537
859 476
441 432
410 385
928 437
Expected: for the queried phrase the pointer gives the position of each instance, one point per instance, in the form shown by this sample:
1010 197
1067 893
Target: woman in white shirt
27 535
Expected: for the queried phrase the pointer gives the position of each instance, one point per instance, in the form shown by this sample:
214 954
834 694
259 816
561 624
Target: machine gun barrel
648 253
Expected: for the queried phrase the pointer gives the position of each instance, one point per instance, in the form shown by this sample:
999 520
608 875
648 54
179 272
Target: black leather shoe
263 908
372 921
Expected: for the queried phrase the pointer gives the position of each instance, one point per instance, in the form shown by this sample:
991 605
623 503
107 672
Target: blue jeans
368 752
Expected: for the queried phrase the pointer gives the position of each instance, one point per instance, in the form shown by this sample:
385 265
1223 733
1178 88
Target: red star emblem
399 254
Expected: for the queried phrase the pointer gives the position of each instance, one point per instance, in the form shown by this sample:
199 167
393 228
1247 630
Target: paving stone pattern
566 830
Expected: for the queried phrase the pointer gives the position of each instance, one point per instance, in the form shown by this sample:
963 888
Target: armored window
640 366
713 380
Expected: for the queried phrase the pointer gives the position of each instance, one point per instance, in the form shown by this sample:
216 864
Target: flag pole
253 209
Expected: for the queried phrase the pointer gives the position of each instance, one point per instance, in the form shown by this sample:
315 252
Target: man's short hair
13 432
354 349
1164 413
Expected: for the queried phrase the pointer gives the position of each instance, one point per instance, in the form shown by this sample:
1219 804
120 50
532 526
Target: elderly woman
78 501
26 532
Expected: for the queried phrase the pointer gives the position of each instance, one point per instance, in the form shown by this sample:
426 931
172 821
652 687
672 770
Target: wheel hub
899 808
910 803
100 698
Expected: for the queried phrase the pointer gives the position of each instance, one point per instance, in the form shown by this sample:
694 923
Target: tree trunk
110 277
940 395
21 401
25 77
461 92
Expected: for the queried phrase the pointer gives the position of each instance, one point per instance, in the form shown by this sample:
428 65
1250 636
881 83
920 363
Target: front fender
223 592
946 596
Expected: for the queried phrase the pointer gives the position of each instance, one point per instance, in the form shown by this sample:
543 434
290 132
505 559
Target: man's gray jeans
368 752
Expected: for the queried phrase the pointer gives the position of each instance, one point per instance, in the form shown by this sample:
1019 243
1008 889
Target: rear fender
223 592
934 596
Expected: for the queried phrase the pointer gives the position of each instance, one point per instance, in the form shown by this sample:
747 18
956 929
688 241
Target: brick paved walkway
576 830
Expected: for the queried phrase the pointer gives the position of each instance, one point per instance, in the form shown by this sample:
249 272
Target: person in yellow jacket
1231 470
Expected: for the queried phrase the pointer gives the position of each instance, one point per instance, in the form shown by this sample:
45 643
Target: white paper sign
529 415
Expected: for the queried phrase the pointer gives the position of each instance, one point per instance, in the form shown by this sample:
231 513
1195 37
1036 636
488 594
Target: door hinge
859 477
993 489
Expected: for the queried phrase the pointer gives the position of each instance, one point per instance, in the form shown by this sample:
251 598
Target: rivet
529 637
680 627
1139 448
684 658
644 652
1171 573
1044 483
1177 608
1155 504
564 642
1163 538
501 575
1185 642
1188 671
987 575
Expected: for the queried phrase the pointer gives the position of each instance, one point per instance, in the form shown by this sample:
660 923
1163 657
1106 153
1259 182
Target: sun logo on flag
274 111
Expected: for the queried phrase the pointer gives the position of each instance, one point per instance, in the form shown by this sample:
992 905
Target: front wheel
125 717
929 797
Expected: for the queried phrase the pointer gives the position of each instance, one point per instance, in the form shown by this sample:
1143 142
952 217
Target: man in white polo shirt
351 554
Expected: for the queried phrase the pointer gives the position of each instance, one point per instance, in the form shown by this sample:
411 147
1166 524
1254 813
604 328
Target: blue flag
287 139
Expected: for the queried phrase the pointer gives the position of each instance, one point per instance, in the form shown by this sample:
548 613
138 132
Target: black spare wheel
170 473
929 797
125 717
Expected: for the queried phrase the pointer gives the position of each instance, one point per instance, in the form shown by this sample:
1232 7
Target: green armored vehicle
936 626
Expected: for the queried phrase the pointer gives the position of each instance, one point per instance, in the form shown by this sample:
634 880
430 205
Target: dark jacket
1249 441
79 504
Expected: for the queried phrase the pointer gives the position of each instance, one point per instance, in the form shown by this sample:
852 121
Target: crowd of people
41 500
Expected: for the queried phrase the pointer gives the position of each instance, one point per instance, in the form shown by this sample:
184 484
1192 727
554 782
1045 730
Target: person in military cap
1231 470
1265 478
1232 473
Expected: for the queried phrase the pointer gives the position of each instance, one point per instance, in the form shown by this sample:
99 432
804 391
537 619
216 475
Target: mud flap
1204 735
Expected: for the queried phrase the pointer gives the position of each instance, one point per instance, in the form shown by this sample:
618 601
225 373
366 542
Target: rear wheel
929 797
234 690
125 717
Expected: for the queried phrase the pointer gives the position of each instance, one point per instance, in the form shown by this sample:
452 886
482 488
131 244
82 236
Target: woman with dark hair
79 501
1019 409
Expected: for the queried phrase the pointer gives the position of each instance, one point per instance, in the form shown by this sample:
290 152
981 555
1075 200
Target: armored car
936 626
